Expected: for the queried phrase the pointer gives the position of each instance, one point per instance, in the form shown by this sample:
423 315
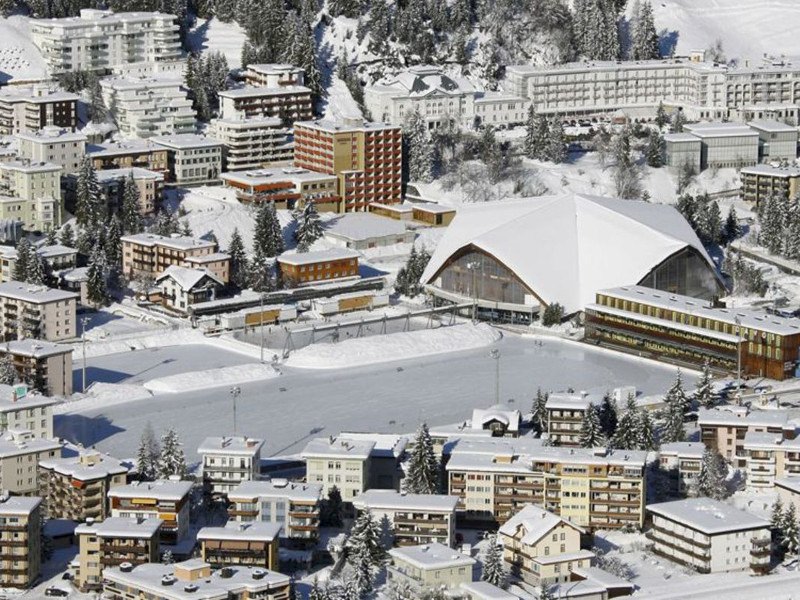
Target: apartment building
29 109
167 500
148 107
228 461
413 518
149 254
44 365
181 288
192 159
76 487
565 415
286 187
777 141
593 488
32 194
339 462
99 40
294 506
149 183
36 311
724 429
366 158
725 145
542 548
193 578
56 258
53 145
430 565
385 468
441 99
766 181
685 459
289 103
321 266
20 541
241 544
113 543
769 456
126 154
29 413
710 536
20 453
274 75
252 143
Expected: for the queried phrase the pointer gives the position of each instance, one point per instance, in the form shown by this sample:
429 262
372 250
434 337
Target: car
54 591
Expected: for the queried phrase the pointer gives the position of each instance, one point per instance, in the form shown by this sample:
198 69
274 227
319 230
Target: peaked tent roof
565 248
187 278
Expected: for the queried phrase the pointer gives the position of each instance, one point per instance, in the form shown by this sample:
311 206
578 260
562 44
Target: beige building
252 143
414 518
339 462
430 565
75 487
565 415
764 181
112 543
20 541
241 544
685 459
33 194
274 75
286 187
228 461
770 456
32 413
542 548
149 183
289 103
36 311
126 154
29 109
193 159
194 578
56 258
20 453
43 365
53 145
148 254
167 500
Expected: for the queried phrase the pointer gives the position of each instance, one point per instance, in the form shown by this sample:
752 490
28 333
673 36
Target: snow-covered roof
35 95
763 440
502 413
163 489
714 130
273 68
18 443
432 207
52 133
18 505
423 80
310 258
363 226
566 248
399 501
743 418
35 294
431 556
693 450
773 171
179 242
54 250
187 278
791 483
137 172
483 590
186 141
338 448
121 527
603 578
31 400
707 516
330 126
261 91
772 126
86 466
565 401
130 146
27 166
208 258
565 557
271 175
387 445
535 522
226 446
682 137
256 531
398 208
276 488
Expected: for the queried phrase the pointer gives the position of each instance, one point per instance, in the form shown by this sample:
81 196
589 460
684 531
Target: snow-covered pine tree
704 392
731 229
556 143
333 511
591 430
423 471
644 40
627 435
317 592
24 254
673 429
67 236
275 231
380 28
166 224
529 145
87 196
711 479
238 259
677 396
646 439
418 147
678 121
36 269
493 571
308 229
8 373
171 460
653 153
113 244
364 542
776 522
130 211
789 527
147 455
544 592
51 237
608 415
96 285
539 410
167 558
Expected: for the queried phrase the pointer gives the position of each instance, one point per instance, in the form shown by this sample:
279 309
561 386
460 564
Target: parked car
54 591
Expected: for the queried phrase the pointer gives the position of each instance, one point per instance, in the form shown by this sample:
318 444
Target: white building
193 159
362 231
227 461
165 499
710 536
725 144
53 145
339 462
681 149
274 75
430 565
32 413
776 140
20 453
31 108
685 458
770 456
36 188
253 143
181 287
36 311
147 107
565 415
99 40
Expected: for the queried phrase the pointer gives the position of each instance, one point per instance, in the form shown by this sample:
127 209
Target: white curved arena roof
565 248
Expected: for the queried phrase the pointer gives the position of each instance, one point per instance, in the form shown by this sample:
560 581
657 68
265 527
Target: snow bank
200 380
392 347
175 337
101 395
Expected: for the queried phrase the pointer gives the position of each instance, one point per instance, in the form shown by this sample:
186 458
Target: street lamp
495 354
235 391
738 360
83 344
261 321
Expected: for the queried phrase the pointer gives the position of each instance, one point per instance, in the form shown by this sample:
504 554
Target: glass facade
492 280
686 273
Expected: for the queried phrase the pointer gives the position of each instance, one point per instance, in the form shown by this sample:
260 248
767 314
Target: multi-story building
149 183
244 544
192 159
76 487
99 40
441 99
542 548
112 543
252 143
45 365
181 288
34 194
725 145
295 506
24 110
430 565
725 429
36 311
194 578
320 266
339 462
228 461
126 154
20 453
274 75
31 413
53 145
167 500
777 141
289 103
687 329
148 254
593 488
20 541
413 518
682 150
565 416
685 458
55 258
366 157
710 536
770 456
767 181
287 187
147 107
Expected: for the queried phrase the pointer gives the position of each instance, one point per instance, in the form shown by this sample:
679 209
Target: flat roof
123 147
35 95
180 141
344 125
393 500
743 418
307 258
121 527
399 208
772 126
255 531
270 175
18 443
240 446
483 590
431 556
273 68
36 294
51 133
72 466
711 130
137 172
31 400
263 90
693 450
18 505
274 488
773 171
179 242
27 166
162 489
338 448
35 348
789 483
707 516
360 226
681 137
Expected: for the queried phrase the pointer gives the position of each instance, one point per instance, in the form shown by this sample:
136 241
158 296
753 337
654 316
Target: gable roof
187 278
536 523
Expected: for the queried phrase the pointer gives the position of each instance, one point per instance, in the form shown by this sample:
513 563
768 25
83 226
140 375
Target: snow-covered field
19 57
213 34
200 380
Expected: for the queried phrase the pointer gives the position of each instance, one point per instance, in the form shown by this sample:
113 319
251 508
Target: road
391 397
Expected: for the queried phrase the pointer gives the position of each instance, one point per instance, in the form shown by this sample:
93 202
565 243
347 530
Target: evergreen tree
653 152
673 430
493 571
644 43
423 471
67 237
704 391
113 244
167 558
171 460
556 143
8 373
51 239
662 119
678 121
88 196
332 512
627 435
24 255
791 536
677 396
308 228
36 269
238 260
644 426
303 53
608 416
364 542
530 148
131 215
96 286
776 523
591 430
380 27
418 147
545 593
539 411
147 455
166 224
711 479
731 230
317 593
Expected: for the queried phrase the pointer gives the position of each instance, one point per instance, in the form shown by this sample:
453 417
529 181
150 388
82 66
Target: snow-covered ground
213 34
19 57
199 380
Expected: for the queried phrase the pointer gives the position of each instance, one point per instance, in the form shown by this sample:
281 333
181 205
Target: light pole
235 391
738 360
83 351
495 354
261 321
